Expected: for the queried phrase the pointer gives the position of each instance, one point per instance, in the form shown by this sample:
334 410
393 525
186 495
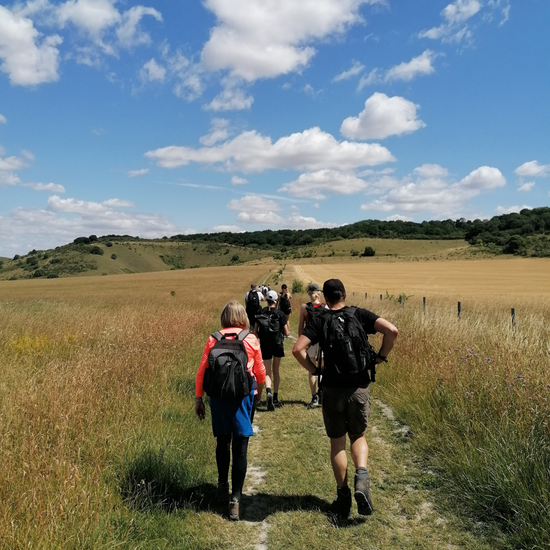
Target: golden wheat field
479 279
97 382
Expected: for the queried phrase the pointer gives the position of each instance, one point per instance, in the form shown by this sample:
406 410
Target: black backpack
346 345
312 311
253 302
227 375
269 327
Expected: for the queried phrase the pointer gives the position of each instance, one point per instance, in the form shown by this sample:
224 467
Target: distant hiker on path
341 333
236 351
253 299
283 303
307 313
271 328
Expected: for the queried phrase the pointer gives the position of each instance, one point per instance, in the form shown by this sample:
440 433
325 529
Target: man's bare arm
389 334
299 351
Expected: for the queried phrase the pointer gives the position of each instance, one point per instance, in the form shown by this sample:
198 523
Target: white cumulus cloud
421 65
3 119
309 150
10 165
218 132
533 169
526 187
256 209
152 71
431 190
236 180
315 185
256 40
383 116
28 58
129 33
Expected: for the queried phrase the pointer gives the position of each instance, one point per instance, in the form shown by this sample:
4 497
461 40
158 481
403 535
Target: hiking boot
234 509
269 402
362 493
314 402
341 507
277 403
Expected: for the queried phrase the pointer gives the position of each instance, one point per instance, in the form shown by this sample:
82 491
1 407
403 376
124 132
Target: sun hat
272 296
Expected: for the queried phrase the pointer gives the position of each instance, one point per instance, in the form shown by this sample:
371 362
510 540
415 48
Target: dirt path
290 484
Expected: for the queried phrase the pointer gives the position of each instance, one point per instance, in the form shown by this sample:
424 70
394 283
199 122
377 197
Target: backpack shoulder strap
217 336
242 335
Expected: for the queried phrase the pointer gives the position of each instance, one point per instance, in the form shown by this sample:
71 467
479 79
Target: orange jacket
255 362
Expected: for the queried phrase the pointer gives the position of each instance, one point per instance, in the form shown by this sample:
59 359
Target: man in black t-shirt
272 344
346 397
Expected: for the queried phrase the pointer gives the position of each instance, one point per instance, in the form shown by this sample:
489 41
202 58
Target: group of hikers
332 346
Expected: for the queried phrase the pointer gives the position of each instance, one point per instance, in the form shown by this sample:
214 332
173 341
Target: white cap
272 296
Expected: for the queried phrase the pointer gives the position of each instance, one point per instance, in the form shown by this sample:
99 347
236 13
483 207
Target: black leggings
223 458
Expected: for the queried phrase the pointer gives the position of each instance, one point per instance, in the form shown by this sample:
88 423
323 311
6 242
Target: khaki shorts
345 410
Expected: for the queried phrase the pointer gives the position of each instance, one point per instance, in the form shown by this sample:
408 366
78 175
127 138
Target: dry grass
96 374
475 389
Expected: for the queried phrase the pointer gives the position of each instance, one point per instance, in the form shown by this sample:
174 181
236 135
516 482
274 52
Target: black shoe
269 402
341 507
277 403
362 494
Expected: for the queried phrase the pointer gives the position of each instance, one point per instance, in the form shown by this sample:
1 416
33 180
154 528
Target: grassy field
476 389
101 448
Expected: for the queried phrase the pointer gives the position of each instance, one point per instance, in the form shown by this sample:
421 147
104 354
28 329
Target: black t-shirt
282 324
314 331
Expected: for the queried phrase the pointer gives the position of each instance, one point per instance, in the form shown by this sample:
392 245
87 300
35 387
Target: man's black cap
332 286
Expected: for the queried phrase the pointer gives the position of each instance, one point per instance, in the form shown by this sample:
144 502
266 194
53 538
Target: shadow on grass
154 481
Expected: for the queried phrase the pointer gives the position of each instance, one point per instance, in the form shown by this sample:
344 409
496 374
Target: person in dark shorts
283 303
253 299
271 328
346 397
307 312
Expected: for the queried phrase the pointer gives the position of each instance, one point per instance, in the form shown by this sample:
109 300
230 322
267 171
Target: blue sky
175 117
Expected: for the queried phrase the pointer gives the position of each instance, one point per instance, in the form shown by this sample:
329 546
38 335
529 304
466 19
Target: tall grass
96 409
476 392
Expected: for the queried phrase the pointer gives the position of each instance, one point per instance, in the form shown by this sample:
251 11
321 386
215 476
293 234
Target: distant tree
354 252
96 250
93 238
369 251
82 240
514 245
113 256
16 257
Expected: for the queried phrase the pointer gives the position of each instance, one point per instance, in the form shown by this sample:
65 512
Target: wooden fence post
365 295
459 309
513 312
424 303
380 296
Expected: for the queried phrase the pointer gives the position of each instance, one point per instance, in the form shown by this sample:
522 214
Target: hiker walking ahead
271 328
283 303
232 354
253 298
307 313
341 333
